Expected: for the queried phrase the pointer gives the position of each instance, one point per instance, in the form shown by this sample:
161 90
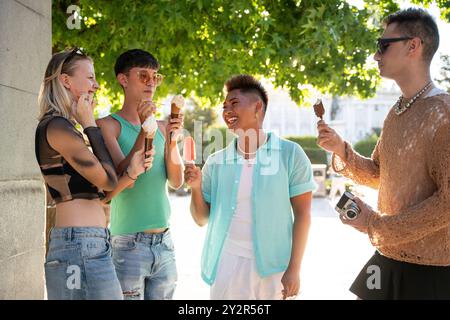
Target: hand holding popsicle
192 173
193 176
328 139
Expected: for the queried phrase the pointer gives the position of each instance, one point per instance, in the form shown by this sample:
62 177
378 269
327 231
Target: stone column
25 49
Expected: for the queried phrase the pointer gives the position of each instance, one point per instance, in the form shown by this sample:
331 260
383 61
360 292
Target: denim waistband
80 232
148 238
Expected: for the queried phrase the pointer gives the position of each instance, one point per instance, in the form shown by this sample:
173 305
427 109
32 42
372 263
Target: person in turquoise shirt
143 251
255 196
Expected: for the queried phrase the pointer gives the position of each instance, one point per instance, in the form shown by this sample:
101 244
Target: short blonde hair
53 96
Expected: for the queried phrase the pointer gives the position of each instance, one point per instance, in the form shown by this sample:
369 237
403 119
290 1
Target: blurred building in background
352 117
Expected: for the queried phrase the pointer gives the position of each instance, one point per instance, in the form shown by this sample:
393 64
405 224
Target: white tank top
240 238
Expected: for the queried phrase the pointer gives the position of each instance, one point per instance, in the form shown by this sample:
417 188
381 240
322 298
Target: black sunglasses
74 52
383 43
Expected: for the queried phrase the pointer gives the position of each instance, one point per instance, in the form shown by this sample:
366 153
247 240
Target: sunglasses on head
384 43
145 77
71 54
74 52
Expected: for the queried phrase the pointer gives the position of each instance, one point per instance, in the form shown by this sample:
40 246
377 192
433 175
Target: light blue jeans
79 266
145 265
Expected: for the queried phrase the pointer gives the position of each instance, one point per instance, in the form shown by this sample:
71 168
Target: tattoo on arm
83 162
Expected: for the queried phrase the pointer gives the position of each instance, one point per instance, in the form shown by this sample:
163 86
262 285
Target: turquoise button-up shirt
282 171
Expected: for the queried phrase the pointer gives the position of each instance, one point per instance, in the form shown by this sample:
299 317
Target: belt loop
69 234
150 238
164 234
138 237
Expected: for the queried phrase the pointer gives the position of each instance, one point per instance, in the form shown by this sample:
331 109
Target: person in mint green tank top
143 251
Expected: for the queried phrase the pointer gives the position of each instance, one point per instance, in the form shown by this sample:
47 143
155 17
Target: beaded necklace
399 108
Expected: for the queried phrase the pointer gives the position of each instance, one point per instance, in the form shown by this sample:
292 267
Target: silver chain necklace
251 153
399 109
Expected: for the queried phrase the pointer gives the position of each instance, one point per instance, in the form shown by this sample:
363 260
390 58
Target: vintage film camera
347 207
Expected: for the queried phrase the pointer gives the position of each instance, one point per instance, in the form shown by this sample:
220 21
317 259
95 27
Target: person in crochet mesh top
410 166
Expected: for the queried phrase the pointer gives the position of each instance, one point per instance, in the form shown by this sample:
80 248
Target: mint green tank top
146 205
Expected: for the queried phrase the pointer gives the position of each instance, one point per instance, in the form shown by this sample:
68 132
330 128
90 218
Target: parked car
319 172
339 184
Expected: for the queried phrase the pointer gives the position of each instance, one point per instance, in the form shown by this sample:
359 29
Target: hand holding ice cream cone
145 109
139 164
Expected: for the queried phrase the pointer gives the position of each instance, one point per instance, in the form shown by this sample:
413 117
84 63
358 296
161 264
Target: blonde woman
78 264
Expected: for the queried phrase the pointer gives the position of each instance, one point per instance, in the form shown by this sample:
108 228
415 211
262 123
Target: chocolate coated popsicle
319 110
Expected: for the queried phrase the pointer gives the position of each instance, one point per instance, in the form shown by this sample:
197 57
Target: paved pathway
334 256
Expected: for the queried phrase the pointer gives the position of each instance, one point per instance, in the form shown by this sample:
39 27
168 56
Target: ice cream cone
176 105
149 143
150 126
174 111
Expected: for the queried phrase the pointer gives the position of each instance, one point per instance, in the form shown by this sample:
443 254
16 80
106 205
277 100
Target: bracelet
85 130
126 172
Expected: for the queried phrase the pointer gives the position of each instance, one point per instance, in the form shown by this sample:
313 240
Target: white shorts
238 279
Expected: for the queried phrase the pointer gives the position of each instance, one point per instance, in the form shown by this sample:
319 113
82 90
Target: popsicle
189 150
319 110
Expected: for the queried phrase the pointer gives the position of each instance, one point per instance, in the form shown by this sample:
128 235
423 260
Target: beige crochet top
411 167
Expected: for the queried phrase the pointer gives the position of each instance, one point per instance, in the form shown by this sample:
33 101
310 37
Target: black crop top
66 172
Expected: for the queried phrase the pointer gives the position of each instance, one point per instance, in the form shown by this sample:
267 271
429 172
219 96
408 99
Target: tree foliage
309 144
366 146
200 43
444 79
444 6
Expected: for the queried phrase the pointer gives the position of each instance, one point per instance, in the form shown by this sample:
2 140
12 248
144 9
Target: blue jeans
79 266
145 265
